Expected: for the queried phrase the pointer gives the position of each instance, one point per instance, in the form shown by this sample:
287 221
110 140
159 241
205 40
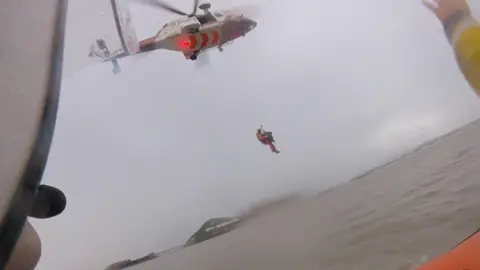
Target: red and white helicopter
193 34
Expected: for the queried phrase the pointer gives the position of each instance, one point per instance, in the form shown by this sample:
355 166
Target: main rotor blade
195 6
162 5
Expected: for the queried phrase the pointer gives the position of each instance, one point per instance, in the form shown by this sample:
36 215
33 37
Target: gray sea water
394 218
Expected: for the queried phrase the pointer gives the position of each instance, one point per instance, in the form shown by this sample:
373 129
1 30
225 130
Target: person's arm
463 33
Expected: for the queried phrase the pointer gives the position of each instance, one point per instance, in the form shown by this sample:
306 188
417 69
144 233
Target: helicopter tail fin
126 34
116 66
104 56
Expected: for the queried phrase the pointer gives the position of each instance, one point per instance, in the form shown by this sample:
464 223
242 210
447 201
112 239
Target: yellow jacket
466 43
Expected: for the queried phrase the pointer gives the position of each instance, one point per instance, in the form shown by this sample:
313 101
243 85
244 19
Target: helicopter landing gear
194 55
220 49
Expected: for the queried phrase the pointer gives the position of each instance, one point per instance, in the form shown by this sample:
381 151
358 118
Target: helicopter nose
251 24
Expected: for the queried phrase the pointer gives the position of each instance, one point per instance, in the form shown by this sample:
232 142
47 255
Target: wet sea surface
393 218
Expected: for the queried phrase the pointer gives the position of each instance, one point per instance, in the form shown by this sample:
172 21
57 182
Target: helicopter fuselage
192 34
191 37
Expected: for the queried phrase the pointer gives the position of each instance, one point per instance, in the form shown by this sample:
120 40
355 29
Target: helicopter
191 35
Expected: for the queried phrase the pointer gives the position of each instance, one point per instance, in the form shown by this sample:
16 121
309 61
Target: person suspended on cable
266 138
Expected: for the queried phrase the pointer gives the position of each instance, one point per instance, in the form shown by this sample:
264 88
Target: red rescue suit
263 139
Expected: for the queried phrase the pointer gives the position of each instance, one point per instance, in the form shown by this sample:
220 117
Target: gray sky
145 157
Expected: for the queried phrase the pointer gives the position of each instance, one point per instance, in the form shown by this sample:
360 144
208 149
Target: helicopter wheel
193 57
